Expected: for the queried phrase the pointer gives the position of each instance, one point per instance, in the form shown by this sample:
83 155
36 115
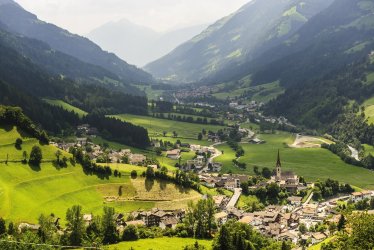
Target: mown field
187 132
369 110
66 106
160 244
26 192
313 164
262 93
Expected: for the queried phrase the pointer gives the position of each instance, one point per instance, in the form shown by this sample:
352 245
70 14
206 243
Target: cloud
81 16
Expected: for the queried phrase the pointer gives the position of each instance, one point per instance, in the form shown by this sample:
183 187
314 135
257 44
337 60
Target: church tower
278 168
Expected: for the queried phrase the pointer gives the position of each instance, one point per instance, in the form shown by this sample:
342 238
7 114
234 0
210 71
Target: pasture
186 132
312 163
66 106
26 192
160 244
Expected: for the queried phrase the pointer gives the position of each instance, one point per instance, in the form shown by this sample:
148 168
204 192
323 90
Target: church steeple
278 167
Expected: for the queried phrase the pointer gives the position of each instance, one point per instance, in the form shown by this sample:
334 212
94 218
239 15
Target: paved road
309 198
234 198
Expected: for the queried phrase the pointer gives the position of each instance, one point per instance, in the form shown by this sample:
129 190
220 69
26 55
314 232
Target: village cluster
280 222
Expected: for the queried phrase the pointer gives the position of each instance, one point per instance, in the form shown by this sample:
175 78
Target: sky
82 16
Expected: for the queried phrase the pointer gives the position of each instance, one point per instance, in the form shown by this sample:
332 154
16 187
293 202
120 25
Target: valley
255 132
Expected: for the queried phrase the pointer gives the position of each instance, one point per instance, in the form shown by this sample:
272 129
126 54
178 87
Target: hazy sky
81 16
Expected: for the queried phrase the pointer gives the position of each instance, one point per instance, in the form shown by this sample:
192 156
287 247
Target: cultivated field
26 192
161 244
66 106
312 163
187 132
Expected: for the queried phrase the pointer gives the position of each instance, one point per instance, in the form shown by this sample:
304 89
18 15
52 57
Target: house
26 226
310 210
218 199
137 223
136 159
173 154
289 236
318 237
82 141
256 141
359 196
87 219
216 167
168 222
246 219
220 218
294 200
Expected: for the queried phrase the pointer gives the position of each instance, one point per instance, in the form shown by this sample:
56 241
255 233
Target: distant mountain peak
3 2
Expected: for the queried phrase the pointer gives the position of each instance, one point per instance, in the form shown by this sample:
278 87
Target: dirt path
302 141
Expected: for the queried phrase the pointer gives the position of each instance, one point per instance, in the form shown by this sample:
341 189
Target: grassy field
66 106
369 109
313 163
160 244
26 192
319 245
262 93
187 132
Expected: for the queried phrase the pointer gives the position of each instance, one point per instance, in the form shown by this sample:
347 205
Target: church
286 179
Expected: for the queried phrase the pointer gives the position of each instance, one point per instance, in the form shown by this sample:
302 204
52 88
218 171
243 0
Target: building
295 200
174 154
359 196
287 180
136 159
220 218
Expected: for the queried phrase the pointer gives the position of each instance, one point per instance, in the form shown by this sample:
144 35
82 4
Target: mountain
324 67
138 44
18 20
26 77
339 35
235 39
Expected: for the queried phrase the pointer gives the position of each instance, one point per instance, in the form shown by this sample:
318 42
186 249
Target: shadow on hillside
23 133
35 167
6 127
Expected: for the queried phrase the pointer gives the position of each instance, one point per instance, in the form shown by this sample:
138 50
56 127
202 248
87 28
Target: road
234 198
309 198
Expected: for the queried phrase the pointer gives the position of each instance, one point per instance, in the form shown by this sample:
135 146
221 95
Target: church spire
278 159
279 167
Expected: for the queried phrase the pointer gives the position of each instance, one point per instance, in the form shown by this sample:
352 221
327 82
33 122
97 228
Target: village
300 220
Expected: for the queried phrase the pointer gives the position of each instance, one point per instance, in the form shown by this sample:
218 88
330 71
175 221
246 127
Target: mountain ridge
27 24
140 44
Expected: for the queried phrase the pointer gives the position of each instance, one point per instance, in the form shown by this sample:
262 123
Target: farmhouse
173 154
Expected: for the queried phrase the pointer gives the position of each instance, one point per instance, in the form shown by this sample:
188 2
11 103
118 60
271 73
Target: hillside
137 44
27 191
18 20
57 63
335 37
240 37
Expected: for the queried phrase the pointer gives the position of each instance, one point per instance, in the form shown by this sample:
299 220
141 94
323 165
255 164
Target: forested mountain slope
238 38
18 20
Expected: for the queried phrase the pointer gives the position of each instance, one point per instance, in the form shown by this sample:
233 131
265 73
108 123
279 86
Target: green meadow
187 132
66 106
160 244
26 192
369 110
312 163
